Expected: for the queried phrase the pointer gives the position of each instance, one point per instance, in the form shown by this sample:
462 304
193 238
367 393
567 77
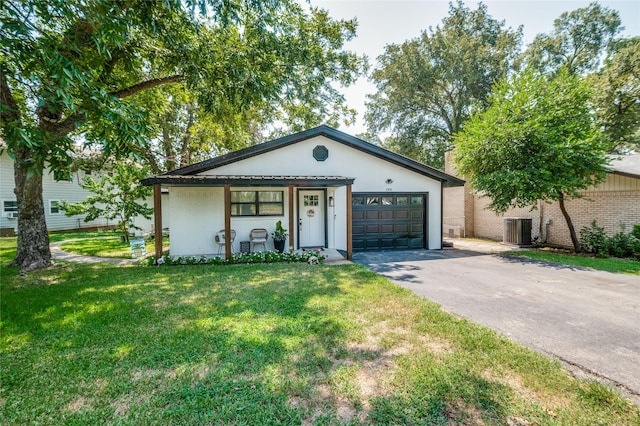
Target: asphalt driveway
590 320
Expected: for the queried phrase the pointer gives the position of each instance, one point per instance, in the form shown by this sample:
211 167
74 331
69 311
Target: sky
382 22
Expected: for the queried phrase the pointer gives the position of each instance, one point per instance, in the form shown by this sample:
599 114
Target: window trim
256 204
4 208
57 205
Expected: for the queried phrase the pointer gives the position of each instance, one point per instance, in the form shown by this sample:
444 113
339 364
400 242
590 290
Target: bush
240 258
623 245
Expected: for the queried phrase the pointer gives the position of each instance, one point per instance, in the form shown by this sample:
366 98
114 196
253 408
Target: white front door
311 221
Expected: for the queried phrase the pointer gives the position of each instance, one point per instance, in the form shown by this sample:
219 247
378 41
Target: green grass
107 247
624 266
266 344
55 237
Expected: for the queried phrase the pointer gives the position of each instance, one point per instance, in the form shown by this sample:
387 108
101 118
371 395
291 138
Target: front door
311 221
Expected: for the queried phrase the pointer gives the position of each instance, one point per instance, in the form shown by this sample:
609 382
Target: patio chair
219 239
259 236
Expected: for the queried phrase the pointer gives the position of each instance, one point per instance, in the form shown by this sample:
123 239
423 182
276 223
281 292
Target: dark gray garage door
389 221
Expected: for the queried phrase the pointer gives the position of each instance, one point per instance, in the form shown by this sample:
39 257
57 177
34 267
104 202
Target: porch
315 210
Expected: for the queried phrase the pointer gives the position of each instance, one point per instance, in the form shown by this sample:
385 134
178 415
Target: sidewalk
58 254
481 246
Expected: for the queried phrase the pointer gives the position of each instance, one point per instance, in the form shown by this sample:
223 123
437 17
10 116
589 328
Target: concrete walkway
58 254
589 320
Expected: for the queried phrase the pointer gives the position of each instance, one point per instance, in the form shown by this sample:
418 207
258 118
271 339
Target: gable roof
330 133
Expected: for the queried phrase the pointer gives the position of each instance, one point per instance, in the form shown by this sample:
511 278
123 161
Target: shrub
240 258
593 240
623 245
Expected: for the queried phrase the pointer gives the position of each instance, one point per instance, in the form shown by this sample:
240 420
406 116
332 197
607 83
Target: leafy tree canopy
617 94
429 86
73 67
578 41
537 141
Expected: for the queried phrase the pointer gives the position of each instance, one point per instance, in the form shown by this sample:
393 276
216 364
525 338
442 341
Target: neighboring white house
53 192
328 188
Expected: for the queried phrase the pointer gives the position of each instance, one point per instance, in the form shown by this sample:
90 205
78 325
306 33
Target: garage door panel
372 214
416 228
372 228
386 214
388 221
387 228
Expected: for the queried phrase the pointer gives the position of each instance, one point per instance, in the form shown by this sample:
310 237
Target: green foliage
621 245
617 90
535 142
429 86
72 68
617 266
280 234
239 258
118 196
593 239
266 345
578 41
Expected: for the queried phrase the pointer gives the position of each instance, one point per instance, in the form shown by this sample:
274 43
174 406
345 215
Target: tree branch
144 85
12 111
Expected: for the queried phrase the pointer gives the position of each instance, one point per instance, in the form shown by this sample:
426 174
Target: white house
53 193
328 188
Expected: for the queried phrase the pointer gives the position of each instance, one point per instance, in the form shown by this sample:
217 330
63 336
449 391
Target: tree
578 41
118 196
617 94
536 141
429 86
74 68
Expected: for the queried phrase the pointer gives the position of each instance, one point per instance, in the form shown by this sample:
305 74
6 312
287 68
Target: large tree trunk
567 218
33 238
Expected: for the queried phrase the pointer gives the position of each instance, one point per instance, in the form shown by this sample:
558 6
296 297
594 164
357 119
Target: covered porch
212 204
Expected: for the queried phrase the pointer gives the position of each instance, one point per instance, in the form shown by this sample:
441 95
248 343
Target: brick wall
613 204
610 209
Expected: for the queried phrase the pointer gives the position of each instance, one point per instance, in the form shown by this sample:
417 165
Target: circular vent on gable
320 153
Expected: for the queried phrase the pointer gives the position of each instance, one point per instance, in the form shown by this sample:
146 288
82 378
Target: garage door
389 221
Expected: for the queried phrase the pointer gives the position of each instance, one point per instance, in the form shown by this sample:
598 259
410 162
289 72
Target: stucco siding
371 175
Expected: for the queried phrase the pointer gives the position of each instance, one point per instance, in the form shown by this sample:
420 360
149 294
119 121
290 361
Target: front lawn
624 266
266 344
108 247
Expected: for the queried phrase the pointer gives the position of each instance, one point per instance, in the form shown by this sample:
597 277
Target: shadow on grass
201 343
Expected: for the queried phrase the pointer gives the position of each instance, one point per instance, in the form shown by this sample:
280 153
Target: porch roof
247 180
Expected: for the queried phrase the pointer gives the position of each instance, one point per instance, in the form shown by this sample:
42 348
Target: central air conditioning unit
517 231
12 215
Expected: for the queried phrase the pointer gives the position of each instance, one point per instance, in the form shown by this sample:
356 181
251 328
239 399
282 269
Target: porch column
349 220
227 221
291 219
157 220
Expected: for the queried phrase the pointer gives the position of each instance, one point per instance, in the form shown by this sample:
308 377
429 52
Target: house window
311 200
9 206
257 203
54 207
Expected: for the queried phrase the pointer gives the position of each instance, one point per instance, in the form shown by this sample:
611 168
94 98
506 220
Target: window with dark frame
9 206
257 203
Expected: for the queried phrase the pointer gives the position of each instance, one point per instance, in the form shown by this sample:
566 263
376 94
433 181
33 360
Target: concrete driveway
589 320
